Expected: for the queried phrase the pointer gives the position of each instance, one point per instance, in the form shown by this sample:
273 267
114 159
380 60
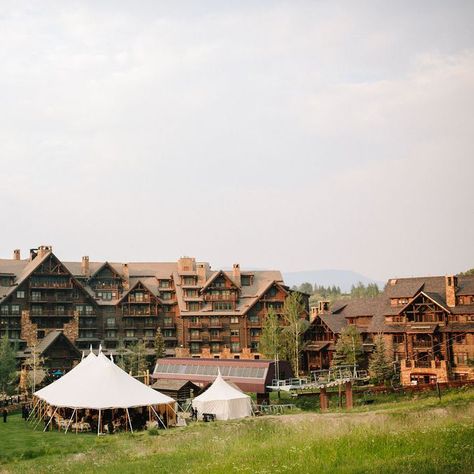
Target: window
194 320
460 339
235 347
195 334
272 292
234 320
36 296
110 322
164 283
168 321
214 332
89 310
191 293
254 346
215 347
222 306
110 333
139 296
253 318
189 280
130 333
166 295
80 308
234 333
246 280
35 310
194 348
149 333
402 300
168 333
105 295
398 338
20 294
254 332
220 283
194 306
60 310
4 310
461 358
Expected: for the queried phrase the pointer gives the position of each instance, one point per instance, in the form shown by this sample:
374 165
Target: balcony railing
231 297
423 344
51 284
215 325
195 325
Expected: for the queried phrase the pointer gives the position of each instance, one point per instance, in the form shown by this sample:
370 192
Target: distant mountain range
342 278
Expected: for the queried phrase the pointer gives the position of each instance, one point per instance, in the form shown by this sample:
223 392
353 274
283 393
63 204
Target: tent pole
158 418
51 419
70 420
41 415
98 424
129 420
33 411
76 420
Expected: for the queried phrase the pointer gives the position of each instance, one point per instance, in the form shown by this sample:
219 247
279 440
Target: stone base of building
411 374
224 354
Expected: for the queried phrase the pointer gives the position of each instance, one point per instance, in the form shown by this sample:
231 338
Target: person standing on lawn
5 415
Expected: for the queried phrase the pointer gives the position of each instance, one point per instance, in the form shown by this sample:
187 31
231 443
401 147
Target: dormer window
246 280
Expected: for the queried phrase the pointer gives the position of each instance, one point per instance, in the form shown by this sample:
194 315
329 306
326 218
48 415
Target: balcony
195 325
231 297
215 325
169 326
52 314
254 324
422 344
60 285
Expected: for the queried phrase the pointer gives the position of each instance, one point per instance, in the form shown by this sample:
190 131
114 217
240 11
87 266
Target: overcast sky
291 135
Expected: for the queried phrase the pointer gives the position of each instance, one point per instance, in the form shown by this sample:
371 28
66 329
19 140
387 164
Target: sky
289 135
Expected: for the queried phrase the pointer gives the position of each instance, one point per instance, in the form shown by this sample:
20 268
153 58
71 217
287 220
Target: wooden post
349 401
98 424
76 420
323 399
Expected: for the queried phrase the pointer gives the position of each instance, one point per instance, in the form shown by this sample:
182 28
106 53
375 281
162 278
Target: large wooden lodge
201 312
427 323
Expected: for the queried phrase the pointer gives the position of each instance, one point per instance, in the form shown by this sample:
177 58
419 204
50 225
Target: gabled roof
213 277
135 284
106 265
50 339
431 296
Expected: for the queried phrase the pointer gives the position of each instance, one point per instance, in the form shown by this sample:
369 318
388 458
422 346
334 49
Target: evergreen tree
7 366
270 340
294 327
349 349
159 344
121 359
380 365
137 358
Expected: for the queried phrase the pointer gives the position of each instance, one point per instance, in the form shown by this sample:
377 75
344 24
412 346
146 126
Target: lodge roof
149 274
379 307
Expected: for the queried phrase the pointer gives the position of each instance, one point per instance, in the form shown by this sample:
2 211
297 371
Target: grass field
422 435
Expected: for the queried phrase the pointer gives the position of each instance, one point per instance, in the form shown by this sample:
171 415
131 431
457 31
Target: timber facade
201 312
427 324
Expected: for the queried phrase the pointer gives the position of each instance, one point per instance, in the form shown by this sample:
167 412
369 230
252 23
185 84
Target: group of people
25 412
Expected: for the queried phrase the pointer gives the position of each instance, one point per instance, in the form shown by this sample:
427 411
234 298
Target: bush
153 432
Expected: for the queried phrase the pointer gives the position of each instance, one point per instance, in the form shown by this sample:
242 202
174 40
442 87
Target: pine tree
121 359
349 349
7 366
380 365
137 358
159 344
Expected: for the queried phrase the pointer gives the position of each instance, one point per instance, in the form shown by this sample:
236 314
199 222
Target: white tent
224 401
97 383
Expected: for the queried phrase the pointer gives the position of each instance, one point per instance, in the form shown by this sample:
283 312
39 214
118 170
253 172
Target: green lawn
421 435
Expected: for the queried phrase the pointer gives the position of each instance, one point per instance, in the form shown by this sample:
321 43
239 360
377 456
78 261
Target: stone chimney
43 250
236 274
451 283
126 276
16 254
186 264
85 266
201 269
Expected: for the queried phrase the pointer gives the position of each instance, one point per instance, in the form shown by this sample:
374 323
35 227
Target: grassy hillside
422 436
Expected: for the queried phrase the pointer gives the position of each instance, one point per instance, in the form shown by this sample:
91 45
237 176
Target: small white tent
224 401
